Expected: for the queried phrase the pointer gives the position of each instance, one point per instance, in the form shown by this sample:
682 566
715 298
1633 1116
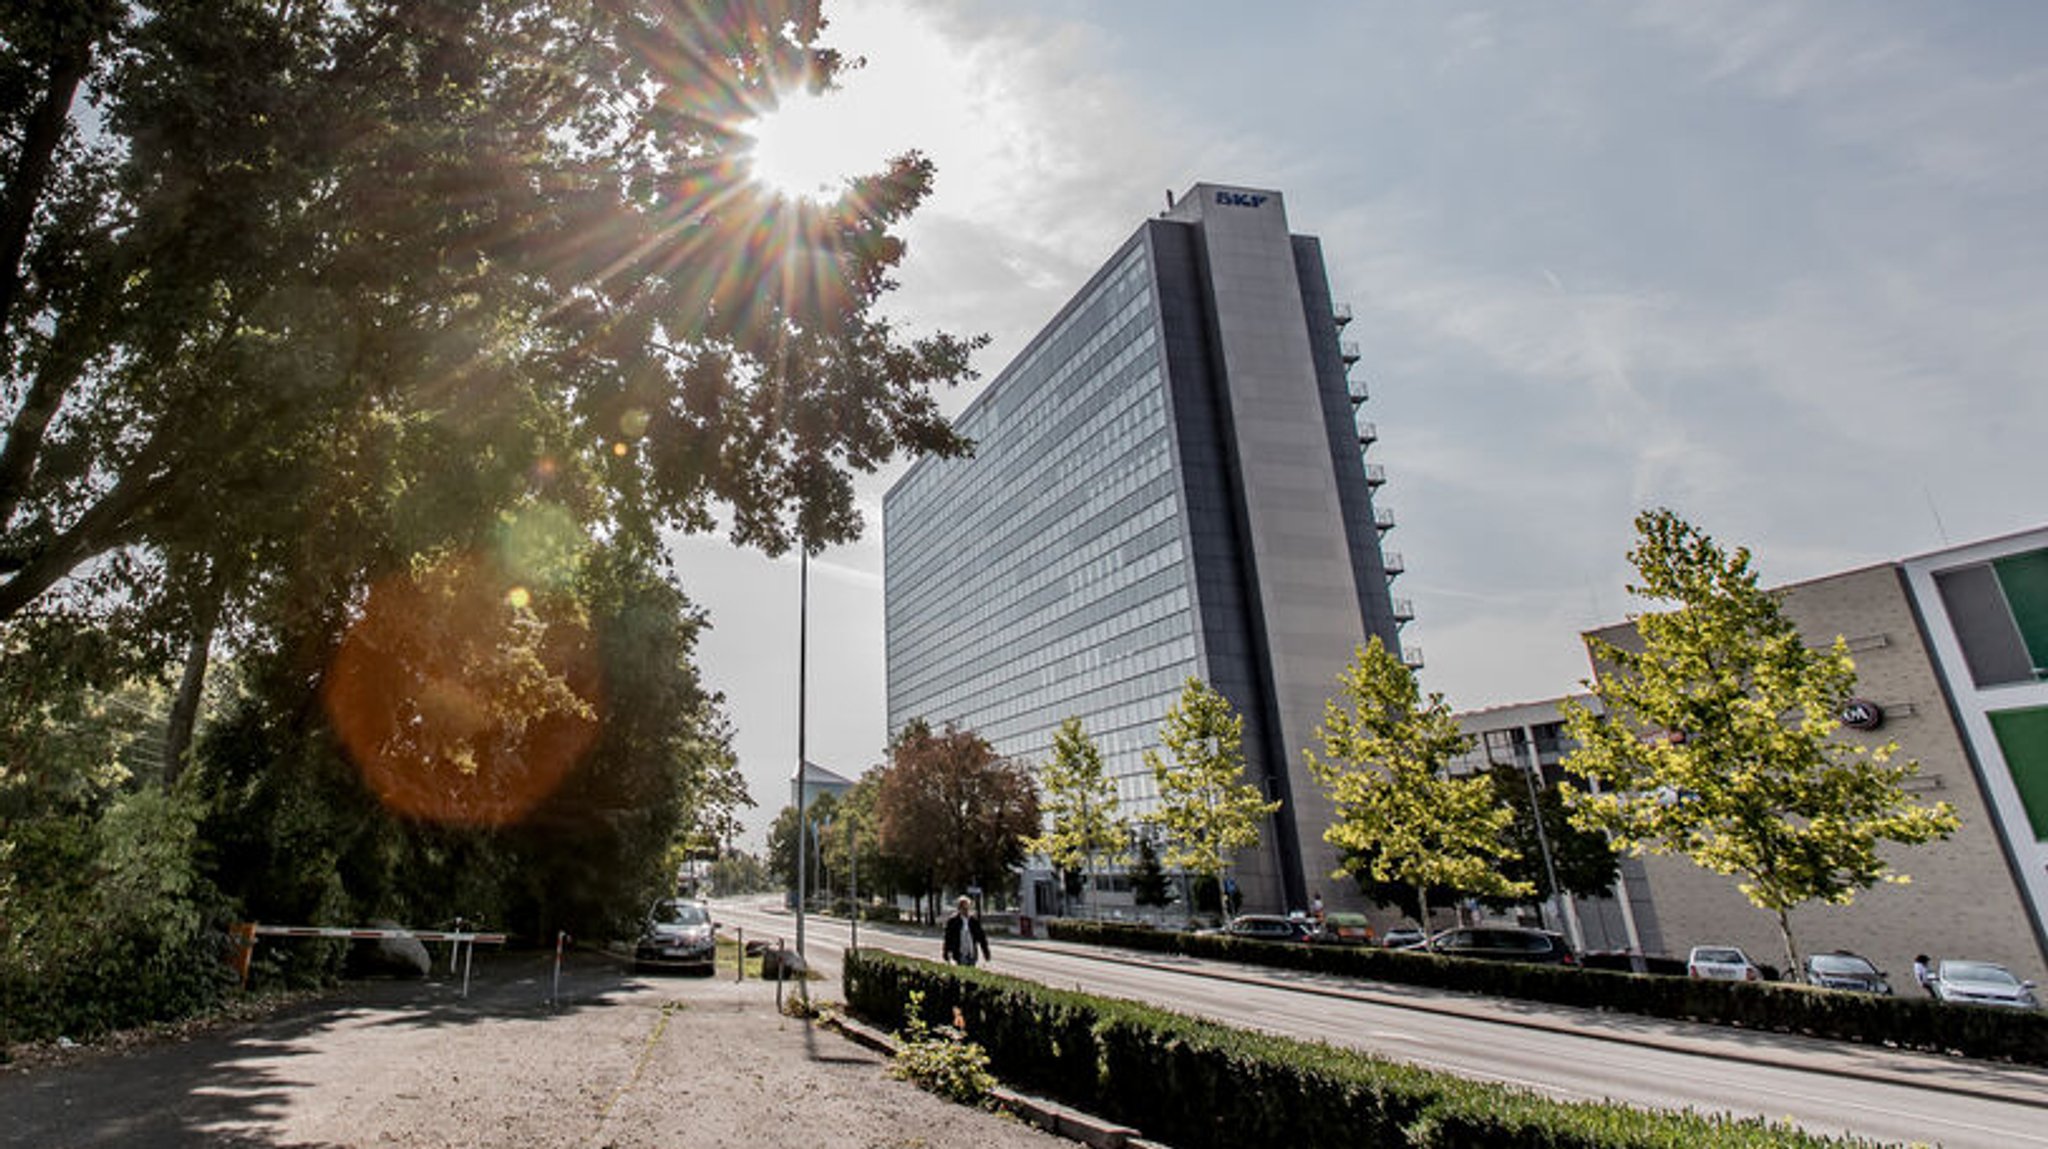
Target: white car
1982 983
1722 963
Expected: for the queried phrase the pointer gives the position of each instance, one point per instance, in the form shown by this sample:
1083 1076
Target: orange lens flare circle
456 703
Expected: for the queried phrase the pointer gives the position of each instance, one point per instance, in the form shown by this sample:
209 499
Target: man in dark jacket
964 936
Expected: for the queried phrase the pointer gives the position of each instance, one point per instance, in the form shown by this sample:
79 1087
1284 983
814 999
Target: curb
1059 1120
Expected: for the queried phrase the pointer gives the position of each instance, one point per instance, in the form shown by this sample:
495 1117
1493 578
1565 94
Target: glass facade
1047 576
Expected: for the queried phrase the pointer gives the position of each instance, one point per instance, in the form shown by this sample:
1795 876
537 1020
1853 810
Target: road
1827 1087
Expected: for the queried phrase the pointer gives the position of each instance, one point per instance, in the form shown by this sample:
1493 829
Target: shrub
940 1058
1908 1022
1198 1085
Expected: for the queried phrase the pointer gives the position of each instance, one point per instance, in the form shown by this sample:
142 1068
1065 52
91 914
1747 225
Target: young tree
1080 805
952 810
1148 877
1585 860
1716 738
1206 807
1399 816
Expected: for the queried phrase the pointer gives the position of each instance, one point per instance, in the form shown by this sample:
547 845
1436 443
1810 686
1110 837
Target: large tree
1207 809
1715 739
1400 815
333 286
953 811
1082 822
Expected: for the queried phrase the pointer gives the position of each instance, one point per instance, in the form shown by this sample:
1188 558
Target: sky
1776 266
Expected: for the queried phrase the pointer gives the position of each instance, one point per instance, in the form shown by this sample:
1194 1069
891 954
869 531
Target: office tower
1168 481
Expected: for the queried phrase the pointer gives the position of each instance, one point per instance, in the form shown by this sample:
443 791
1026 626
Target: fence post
555 994
739 972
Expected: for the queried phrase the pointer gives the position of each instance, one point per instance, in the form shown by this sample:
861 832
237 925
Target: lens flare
456 708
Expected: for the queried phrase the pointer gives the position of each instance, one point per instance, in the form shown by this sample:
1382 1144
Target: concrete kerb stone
1059 1120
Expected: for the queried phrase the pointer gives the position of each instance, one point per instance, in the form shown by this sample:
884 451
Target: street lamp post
1529 773
803 603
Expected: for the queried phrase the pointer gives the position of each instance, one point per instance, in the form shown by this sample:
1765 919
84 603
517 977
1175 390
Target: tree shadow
233 1085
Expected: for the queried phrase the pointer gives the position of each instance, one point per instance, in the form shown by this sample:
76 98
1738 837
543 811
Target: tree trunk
185 707
1791 948
1422 904
44 131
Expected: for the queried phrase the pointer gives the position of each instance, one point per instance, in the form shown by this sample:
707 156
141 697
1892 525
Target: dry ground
623 1062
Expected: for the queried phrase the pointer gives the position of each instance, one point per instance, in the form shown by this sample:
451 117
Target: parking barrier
462 943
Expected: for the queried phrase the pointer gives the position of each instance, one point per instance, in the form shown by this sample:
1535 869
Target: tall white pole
803 829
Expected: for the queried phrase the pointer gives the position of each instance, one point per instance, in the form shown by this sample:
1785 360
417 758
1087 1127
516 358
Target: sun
809 146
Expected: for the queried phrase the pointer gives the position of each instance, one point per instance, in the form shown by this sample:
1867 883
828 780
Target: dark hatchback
678 935
1844 970
1270 928
1503 943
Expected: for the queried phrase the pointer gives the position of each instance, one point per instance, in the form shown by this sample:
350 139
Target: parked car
1346 929
678 934
1404 938
1722 963
1844 970
1504 943
1982 983
1270 928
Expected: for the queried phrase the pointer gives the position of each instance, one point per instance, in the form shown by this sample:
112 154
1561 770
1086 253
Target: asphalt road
1827 1087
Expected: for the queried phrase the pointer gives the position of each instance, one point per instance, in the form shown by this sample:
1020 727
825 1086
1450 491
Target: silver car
679 934
1982 983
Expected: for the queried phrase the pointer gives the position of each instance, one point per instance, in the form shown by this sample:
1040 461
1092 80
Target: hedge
1199 1085
1905 1022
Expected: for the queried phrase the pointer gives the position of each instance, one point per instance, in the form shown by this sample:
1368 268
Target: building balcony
1375 475
1411 657
1340 313
1383 518
1393 563
1404 610
1368 433
1348 348
1356 388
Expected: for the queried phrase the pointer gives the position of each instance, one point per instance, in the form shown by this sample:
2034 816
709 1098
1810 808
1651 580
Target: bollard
739 972
555 994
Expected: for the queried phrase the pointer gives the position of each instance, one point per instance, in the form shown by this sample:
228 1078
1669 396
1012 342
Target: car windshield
1842 964
1720 956
679 914
1977 971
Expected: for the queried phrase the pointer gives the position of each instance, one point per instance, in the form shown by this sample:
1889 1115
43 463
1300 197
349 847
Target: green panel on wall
2023 739
2024 578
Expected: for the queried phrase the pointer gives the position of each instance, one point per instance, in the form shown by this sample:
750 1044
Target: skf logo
1239 199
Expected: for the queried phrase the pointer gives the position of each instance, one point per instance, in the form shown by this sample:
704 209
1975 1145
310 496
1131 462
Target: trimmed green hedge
1906 1022
1198 1085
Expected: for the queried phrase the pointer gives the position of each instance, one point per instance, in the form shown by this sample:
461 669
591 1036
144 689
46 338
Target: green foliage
1586 861
940 1058
1148 877
1716 740
1399 816
1207 809
1080 805
738 872
1197 1084
1905 1022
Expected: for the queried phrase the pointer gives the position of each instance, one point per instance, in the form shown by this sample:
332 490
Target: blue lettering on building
1239 199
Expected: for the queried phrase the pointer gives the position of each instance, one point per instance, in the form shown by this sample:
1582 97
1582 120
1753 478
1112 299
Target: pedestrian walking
964 936
1315 907
1923 972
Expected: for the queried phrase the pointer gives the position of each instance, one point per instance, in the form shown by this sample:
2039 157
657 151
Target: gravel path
625 1062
